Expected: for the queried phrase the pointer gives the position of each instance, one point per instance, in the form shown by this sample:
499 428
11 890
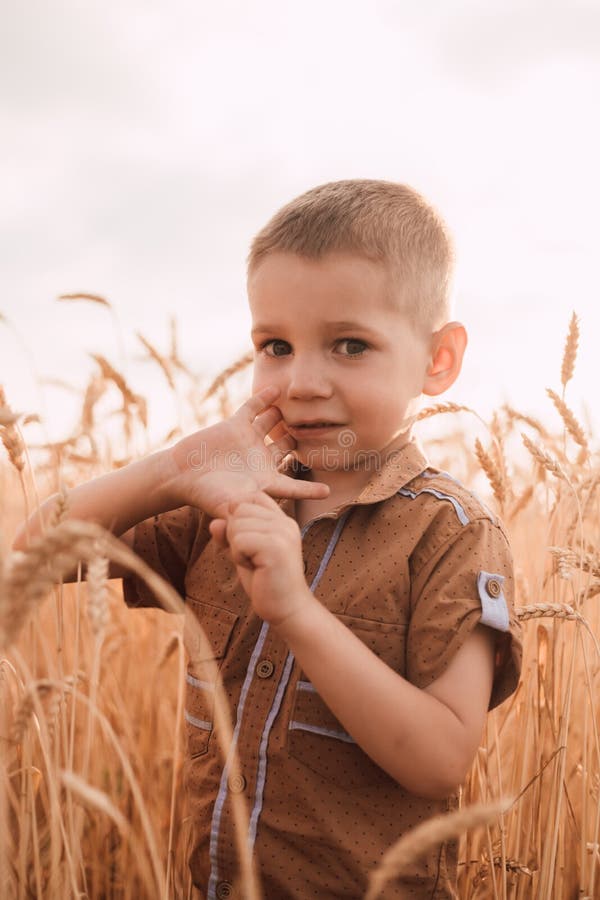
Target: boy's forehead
338 290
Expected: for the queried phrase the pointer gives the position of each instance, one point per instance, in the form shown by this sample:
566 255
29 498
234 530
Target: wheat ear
544 459
60 508
492 471
11 438
227 373
29 575
97 579
515 416
158 358
129 398
570 352
96 387
439 408
571 424
546 610
430 834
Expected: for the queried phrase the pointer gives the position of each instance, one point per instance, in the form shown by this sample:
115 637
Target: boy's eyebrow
260 327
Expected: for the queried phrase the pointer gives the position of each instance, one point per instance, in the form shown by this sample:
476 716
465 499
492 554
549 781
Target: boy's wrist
163 473
301 623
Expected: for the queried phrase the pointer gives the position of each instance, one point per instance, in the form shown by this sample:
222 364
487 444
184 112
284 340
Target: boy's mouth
305 428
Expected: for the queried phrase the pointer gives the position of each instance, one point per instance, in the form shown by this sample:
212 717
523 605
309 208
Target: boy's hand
266 546
213 467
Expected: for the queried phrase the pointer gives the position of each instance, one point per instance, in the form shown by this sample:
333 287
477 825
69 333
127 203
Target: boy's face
327 333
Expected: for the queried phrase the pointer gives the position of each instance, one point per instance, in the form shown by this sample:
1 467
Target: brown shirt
411 566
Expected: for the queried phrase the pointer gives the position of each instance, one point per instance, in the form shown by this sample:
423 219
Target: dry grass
82 735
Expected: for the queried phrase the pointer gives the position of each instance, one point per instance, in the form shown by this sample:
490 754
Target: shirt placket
265 684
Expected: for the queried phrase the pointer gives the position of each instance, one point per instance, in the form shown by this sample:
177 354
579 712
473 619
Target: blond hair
383 221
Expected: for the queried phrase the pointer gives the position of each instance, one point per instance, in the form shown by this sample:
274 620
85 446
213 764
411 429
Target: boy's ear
447 350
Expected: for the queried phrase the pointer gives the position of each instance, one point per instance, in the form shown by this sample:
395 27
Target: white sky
144 143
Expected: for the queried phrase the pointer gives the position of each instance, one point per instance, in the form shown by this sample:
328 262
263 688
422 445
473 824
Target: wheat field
91 803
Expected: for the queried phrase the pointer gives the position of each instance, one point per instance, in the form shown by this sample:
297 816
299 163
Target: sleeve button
224 890
493 587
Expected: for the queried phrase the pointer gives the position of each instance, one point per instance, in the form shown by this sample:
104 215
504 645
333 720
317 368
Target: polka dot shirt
411 566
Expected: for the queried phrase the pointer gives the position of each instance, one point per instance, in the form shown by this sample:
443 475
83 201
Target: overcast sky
144 143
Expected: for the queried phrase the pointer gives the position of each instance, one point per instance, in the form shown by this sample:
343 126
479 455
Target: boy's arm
116 501
425 738
424 731
205 470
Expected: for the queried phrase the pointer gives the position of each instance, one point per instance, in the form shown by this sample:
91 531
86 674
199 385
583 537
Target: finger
296 488
269 421
279 429
282 447
218 529
252 510
249 525
253 499
244 549
259 402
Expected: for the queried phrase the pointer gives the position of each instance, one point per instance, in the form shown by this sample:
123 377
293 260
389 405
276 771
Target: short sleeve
165 542
467 581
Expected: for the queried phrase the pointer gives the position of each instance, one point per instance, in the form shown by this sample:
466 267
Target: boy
363 625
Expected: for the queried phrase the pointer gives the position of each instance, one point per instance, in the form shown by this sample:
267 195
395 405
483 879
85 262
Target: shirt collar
395 470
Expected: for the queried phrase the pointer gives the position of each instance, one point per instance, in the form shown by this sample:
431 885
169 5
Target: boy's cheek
259 379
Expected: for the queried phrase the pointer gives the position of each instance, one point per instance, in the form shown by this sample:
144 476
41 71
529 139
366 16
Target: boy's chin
333 459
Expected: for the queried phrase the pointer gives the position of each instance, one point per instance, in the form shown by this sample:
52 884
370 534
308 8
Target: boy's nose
308 379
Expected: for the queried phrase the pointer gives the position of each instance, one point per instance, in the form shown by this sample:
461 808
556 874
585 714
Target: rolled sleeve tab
494 611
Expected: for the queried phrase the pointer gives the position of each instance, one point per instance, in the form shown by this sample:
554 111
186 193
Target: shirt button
224 890
236 784
493 586
265 668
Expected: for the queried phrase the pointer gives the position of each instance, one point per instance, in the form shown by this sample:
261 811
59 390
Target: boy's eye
355 341
276 343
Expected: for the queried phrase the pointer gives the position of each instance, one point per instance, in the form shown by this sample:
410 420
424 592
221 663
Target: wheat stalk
546 610
515 416
430 834
586 560
227 373
29 575
592 590
521 502
43 687
25 708
97 579
440 408
158 358
99 801
492 471
129 397
544 459
93 298
570 352
95 389
60 509
169 649
11 438
111 374
571 424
